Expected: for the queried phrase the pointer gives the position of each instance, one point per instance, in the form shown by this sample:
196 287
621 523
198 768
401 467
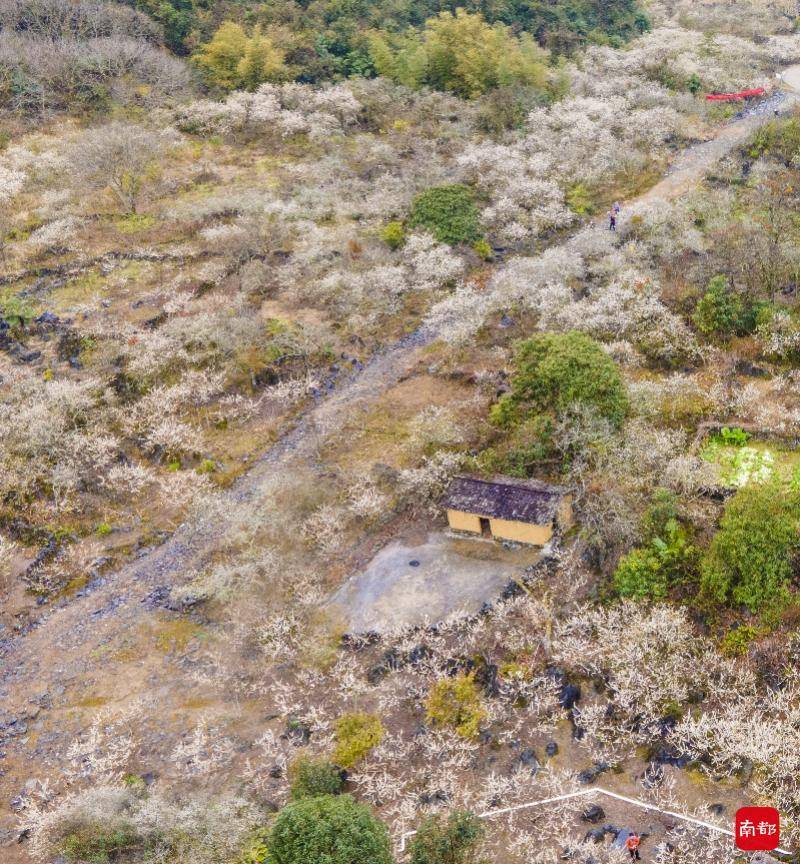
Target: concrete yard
408 585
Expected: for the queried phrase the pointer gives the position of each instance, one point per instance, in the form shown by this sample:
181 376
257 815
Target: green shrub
393 235
448 212
483 249
579 200
313 777
736 642
723 313
662 510
356 735
456 702
454 841
750 558
731 437
668 558
640 575
779 139
554 371
330 829
97 846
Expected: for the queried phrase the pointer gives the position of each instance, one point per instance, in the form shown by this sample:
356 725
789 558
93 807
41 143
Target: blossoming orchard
399 431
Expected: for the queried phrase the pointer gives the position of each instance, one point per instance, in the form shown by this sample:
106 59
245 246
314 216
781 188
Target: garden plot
408 585
740 459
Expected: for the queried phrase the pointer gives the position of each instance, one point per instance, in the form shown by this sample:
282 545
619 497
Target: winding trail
64 650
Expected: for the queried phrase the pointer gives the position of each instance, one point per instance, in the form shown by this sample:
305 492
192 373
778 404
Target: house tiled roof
515 500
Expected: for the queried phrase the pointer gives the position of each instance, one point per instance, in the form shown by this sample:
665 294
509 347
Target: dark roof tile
528 501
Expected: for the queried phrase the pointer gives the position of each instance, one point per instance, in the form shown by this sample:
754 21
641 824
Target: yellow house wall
537 535
459 521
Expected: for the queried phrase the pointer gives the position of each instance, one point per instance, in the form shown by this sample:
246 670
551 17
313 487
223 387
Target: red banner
732 97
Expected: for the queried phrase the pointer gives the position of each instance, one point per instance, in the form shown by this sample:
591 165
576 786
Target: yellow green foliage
461 53
456 702
233 59
356 735
393 235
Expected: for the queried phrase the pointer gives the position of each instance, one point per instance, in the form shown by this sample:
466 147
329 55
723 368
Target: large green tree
555 371
751 558
328 830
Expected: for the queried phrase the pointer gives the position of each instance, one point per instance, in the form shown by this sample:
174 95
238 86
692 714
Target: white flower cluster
285 109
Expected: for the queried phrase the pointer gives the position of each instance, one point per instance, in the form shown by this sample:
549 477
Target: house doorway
486 528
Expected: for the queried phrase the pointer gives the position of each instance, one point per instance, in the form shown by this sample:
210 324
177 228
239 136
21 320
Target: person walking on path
612 220
632 845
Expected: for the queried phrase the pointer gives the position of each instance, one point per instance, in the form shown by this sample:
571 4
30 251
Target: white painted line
594 790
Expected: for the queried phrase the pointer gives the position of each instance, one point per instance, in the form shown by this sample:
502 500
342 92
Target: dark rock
529 760
376 673
158 597
506 321
594 813
717 809
570 694
276 772
413 563
486 677
596 835
551 748
75 363
486 737
745 367
512 589
437 797
653 776
418 654
29 356
589 775
48 319
70 344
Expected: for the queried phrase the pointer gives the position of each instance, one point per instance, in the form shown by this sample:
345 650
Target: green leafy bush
393 235
456 702
451 841
329 829
356 735
579 200
736 642
750 558
554 371
96 846
662 510
483 249
313 777
732 436
648 573
640 575
448 212
723 313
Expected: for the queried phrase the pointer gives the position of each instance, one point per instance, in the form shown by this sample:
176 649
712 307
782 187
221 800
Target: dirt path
50 676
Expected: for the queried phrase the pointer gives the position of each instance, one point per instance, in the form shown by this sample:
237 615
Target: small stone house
525 511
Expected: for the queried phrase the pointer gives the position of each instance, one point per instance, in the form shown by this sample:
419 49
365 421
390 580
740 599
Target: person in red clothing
632 845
